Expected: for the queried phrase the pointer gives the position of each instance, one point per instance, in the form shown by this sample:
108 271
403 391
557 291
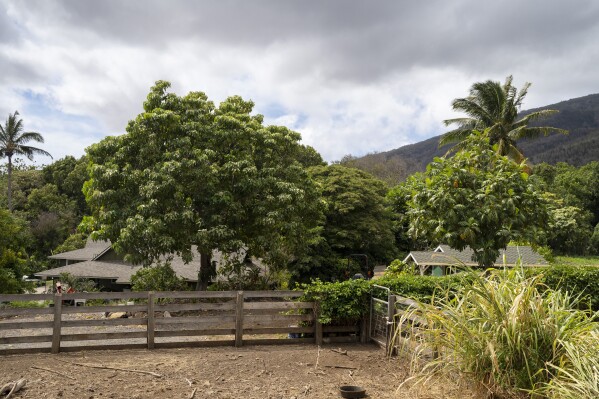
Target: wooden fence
218 318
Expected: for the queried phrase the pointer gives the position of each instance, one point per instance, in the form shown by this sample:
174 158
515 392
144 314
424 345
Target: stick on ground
99 366
54 372
193 393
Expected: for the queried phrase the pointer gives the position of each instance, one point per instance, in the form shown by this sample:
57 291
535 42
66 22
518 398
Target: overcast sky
350 76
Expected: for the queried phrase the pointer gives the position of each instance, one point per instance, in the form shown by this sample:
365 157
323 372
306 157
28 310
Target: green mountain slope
579 115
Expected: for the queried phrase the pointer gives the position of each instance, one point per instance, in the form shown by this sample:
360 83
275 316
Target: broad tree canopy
477 198
190 173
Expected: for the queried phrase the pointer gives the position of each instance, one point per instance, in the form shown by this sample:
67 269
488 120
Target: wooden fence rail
246 317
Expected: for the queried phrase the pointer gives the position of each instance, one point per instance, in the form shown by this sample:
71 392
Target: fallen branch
188 381
13 387
193 393
341 351
341 367
99 366
54 372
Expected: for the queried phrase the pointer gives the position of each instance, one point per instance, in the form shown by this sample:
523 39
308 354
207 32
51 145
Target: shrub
338 303
423 288
161 277
505 330
577 280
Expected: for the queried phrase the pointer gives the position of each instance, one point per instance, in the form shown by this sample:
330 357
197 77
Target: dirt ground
252 372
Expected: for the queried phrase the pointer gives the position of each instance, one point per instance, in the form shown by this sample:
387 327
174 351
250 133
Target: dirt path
258 372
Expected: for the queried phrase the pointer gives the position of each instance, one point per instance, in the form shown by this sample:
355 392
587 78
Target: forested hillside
580 116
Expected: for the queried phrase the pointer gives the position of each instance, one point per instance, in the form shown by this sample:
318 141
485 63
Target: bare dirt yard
252 372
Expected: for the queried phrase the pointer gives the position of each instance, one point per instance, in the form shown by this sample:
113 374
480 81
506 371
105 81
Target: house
99 262
444 260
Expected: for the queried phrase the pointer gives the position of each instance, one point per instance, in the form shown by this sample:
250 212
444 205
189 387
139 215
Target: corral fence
84 321
392 320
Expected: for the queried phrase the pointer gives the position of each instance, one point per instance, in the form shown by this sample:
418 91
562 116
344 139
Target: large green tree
477 199
494 107
357 221
13 142
190 173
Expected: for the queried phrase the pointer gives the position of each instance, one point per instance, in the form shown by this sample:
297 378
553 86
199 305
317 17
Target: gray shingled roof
91 251
122 271
444 255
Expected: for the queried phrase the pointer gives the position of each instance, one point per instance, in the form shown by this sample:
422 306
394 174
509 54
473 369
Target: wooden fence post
317 325
151 320
365 329
239 320
391 320
56 327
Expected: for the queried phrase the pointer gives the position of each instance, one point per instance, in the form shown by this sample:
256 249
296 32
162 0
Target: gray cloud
363 75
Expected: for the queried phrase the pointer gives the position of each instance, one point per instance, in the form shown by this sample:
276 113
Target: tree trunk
9 183
206 273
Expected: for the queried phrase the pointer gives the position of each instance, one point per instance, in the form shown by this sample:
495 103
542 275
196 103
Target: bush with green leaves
161 277
340 302
505 330
580 281
77 283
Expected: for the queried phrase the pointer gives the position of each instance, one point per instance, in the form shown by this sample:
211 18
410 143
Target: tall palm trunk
10 183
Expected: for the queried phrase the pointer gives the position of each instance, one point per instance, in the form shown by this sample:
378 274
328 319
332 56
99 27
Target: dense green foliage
189 173
13 258
504 330
161 277
582 281
340 302
356 222
477 199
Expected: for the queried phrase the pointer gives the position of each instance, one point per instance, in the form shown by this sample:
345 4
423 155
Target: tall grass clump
577 375
504 330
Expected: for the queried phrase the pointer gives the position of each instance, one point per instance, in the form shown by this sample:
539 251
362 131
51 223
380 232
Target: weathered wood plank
79 348
239 320
105 295
26 339
151 326
195 344
26 324
9 312
196 320
273 294
23 351
278 305
317 332
103 336
104 322
267 318
278 330
104 308
283 341
178 307
190 333
25 297
195 294
340 329
56 325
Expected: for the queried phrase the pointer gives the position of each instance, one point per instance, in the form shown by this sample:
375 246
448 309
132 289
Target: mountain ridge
580 116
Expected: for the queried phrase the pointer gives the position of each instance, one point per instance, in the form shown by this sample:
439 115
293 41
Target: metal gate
381 316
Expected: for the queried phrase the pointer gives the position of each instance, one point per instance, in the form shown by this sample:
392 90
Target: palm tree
12 142
495 107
